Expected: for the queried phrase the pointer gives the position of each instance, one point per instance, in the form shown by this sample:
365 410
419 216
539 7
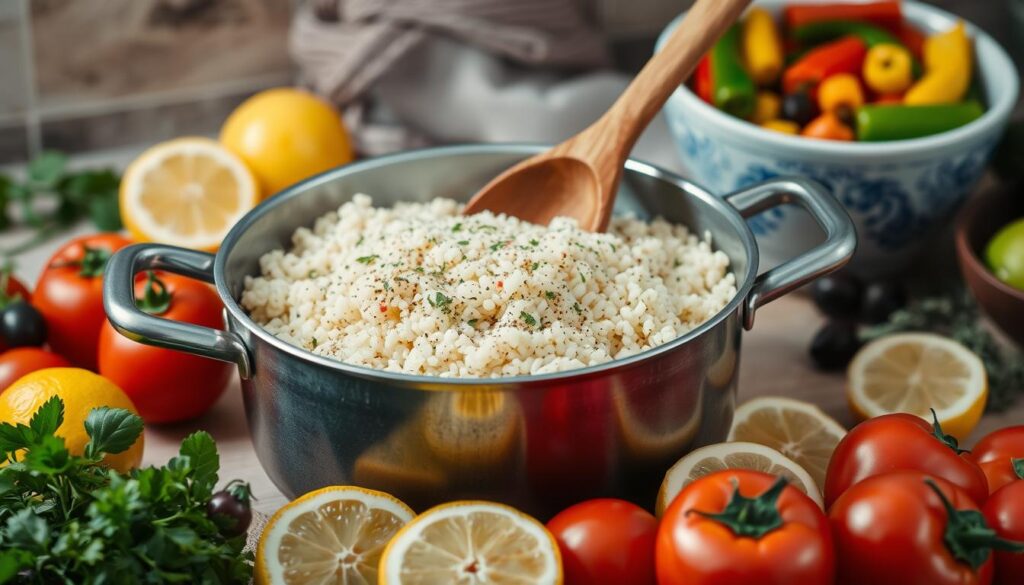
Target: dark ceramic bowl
978 222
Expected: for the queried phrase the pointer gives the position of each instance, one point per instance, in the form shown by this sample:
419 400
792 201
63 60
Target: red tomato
999 473
900 442
1005 443
166 385
69 294
739 527
891 529
1004 512
606 542
11 289
15 363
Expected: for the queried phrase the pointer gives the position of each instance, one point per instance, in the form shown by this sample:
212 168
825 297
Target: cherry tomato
910 528
11 290
1004 512
166 385
740 527
1005 443
231 508
606 542
900 442
15 363
69 294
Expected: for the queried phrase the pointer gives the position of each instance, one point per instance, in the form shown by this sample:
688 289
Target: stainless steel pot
536 442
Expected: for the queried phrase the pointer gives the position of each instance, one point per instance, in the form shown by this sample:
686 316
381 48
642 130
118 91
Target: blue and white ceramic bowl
898 193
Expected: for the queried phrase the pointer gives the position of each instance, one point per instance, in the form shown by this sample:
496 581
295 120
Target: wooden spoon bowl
579 178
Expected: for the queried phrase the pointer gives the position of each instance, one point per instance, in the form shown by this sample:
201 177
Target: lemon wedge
187 192
331 535
737 455
799 430
916 372
472 543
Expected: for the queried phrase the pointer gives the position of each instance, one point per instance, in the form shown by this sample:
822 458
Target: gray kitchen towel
342 58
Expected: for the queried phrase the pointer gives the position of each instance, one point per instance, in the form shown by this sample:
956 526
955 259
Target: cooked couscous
419 288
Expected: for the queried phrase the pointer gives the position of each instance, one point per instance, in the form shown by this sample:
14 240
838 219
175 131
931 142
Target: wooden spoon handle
706 21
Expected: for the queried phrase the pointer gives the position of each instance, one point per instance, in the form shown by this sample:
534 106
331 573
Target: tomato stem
241 490
1018 467
5 279
752 517
968 537
92 264
948 440
157 299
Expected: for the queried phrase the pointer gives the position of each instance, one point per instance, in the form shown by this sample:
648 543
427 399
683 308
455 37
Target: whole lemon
286 135
81 391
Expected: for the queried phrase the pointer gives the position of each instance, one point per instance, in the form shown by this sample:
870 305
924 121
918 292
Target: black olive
881 300
230 509
834 345
22 325
838 295
799 107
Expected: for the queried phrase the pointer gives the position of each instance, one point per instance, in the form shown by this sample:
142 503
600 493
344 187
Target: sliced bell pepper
841 56
733 90
912 39
702 80
885 13
880 123
819 32
948 69
762 46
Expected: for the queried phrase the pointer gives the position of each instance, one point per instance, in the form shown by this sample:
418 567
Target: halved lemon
331 535
187 192
799 430
736 455
916 372
472 543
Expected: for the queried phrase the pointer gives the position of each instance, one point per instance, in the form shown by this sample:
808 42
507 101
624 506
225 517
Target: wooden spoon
579 177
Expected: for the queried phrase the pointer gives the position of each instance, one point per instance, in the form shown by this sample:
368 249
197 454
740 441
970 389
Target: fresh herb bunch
75 195
957 316
68 519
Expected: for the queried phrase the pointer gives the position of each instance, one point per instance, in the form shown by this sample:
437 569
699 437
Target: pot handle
838 248
119 303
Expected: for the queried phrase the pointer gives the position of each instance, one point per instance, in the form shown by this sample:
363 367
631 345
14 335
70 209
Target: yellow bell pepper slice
948 69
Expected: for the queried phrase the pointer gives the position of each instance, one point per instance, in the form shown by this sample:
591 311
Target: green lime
1005 254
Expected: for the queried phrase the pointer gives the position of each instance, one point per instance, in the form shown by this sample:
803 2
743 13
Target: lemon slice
737 455
331 535
799 430
472 543
187 192
916 372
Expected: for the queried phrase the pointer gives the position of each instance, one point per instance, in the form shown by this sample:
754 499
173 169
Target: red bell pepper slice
702 82
844 55
885 13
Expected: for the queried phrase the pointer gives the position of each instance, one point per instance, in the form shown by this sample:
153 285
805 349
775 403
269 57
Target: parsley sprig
69 519
52 198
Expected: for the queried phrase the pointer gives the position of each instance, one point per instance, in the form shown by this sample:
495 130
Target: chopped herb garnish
576 307
549 294
315 343
583 277
483 227
419 269
676 263
534 266
534 243
387 285
528 318
311 274
498 245
614 249
367 259
361 238
402 278
471 322
440 301
463 242
457 227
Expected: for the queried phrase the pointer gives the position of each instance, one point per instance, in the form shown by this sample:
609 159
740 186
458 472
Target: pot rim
743 285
